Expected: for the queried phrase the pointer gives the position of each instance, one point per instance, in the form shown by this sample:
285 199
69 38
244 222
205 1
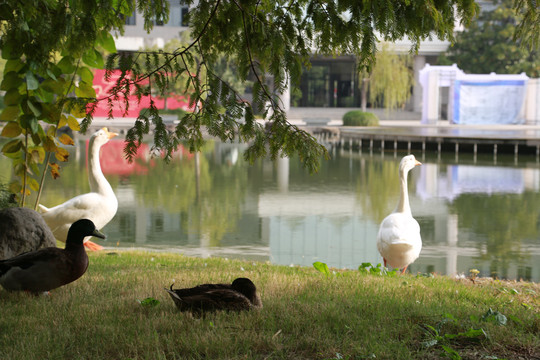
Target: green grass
306 315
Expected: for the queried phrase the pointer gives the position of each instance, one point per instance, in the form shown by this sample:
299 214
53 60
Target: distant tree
528 29
488 45
389 82
51 47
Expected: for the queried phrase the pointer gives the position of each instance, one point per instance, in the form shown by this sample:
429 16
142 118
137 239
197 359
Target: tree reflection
504 221
173 187
377 188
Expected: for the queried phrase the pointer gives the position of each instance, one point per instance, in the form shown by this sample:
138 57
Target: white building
331 82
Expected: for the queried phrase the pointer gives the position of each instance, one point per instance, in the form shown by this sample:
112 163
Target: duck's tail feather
180 303
43 209
173 294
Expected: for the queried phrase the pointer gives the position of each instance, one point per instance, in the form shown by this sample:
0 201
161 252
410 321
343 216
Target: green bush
360 118
178 112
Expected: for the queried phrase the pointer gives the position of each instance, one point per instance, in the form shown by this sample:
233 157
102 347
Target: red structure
102 88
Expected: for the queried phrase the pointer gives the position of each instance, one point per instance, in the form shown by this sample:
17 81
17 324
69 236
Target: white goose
99 205
399 240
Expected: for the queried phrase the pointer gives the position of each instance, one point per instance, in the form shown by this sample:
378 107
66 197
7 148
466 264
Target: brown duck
238 296
49 268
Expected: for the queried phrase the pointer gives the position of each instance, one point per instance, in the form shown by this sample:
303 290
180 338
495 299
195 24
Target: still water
481 213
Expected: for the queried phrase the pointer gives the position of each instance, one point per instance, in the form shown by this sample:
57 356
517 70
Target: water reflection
473 213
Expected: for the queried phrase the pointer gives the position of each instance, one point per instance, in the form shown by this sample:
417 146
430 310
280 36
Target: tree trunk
363 94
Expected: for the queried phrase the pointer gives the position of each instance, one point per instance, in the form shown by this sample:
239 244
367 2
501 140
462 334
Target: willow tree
51 47
389 82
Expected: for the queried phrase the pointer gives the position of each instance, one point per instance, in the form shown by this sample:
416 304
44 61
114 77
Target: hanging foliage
51 48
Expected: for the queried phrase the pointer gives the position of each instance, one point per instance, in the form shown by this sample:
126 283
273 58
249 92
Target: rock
22 230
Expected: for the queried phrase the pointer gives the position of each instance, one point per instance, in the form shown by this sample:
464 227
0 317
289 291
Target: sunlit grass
306 315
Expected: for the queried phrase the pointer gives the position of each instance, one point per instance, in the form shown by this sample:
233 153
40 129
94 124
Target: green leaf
30 122
50 113
34 185
12 147
473 333
321 267
149 302
63 121
107 42
10 113
391 273
93 58
34 108
73 123
54 86
13 65
85 90
49 144
12 97
51 74
31 82
66 65
11 81
78 111
86 74
454 355
11 130
494 316
11 51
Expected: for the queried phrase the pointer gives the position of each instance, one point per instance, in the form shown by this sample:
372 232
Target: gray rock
22 230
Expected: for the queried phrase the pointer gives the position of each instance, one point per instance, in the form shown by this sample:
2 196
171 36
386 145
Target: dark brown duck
238 296
52 267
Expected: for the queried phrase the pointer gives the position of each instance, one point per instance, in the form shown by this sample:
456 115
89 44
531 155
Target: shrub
178 112
360 118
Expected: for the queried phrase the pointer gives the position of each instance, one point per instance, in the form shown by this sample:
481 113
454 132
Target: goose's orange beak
92 246
416 163
110 135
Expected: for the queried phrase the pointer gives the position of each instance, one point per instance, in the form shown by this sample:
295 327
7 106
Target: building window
177 15
329 83
131 20
185 17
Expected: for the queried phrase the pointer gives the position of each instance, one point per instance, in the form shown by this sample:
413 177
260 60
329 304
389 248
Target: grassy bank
306 315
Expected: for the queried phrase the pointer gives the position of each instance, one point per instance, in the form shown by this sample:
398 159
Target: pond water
474 212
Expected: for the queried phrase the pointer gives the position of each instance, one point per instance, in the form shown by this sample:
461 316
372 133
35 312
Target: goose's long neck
403 204
97 180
